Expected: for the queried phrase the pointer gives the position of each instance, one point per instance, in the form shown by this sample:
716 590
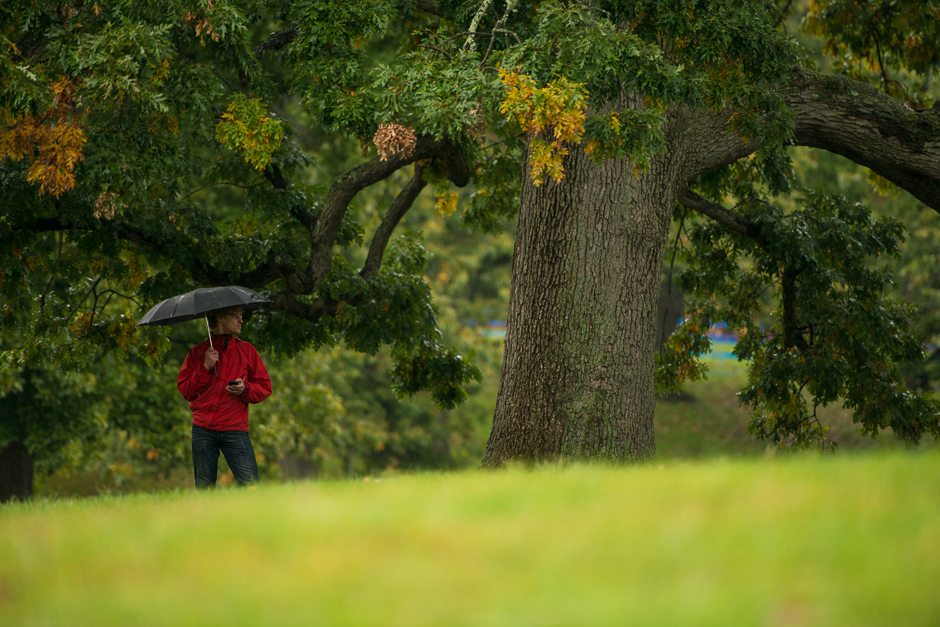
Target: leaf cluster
245 126
893 43
833 333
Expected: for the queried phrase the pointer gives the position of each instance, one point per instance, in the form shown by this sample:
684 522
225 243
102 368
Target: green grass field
706 421
793 540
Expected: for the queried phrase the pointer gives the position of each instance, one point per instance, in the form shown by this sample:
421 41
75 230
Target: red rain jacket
213 407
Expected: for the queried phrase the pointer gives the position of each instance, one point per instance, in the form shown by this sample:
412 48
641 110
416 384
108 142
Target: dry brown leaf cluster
106 205
391 139
202 23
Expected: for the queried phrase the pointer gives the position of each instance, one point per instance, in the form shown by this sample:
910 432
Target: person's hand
237 390
212 358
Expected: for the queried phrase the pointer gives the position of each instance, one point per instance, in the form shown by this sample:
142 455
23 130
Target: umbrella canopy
198 303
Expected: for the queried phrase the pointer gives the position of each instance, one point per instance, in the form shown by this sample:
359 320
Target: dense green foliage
334 408
125 221
135 206
913 271
897 41
833 334
829 304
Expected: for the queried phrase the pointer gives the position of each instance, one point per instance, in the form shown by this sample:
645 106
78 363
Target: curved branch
438 50
346 187
728 219
837 114
395 213
869 127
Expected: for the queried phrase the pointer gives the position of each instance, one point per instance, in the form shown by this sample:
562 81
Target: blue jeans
235 445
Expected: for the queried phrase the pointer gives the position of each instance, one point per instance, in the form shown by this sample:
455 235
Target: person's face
232 323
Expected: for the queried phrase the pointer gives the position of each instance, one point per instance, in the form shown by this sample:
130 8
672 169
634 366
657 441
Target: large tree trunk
16 473
577 378
577 375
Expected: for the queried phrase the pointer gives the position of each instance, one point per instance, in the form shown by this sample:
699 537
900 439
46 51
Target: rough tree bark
577 375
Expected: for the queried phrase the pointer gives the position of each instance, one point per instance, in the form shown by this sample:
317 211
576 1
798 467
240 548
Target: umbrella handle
210 345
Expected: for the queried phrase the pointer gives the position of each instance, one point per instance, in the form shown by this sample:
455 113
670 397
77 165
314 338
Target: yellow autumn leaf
556 110
446 204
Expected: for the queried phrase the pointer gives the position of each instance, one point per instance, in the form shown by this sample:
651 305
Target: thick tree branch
276 41
286 302
393 216
792 337
347 186
869 127
837 114
728 219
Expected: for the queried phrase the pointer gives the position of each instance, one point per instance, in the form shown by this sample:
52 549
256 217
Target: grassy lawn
797 540
706 421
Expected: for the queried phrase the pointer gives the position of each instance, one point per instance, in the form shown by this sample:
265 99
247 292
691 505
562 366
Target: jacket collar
225 337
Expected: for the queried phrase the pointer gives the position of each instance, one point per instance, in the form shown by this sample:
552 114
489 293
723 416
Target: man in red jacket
219 381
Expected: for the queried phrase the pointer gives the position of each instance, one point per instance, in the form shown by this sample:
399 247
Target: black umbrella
199 302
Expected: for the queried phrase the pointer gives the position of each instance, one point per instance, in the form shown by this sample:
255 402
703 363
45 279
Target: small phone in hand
235 382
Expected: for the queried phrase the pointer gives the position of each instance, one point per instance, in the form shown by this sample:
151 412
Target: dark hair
217 314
